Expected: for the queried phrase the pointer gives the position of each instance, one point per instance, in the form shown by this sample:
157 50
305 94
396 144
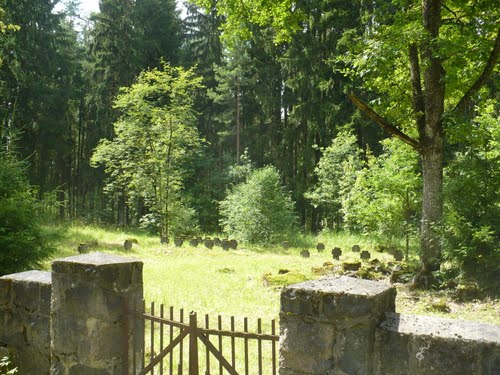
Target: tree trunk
431 140
432 207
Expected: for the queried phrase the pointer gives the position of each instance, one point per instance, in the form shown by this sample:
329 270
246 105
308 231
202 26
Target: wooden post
193 345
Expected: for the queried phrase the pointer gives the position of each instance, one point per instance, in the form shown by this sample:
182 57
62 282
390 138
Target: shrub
472 199
259 210
23 243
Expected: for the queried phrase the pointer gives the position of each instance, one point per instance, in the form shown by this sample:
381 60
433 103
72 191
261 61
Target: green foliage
23 243
6 367
155 136
472 197
259 210
240 14
385 198
336 173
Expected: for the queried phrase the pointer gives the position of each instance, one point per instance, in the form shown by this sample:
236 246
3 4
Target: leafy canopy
155 136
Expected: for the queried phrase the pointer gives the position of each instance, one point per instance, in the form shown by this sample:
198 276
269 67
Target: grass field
231 282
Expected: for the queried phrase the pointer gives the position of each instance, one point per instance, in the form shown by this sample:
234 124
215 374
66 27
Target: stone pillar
328 325
24 320
92 332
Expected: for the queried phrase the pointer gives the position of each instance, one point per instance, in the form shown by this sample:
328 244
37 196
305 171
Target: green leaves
155 135
23 244
385 198
259 210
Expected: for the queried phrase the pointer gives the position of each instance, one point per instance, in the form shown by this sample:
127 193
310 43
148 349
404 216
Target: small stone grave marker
398 255
178 241
217 241
286 245
233 244
305 254
164 240
194 242
336 252
365 255
391 250
209 244
320 247
354 266
83 248
199 239
225 244
356 248
127 244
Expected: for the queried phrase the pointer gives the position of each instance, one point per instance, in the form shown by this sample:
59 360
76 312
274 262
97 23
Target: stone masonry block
428 345
328 325
24 319
107 270
336 298
91 296
302 345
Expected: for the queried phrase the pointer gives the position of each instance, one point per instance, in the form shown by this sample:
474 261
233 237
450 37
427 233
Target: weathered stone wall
76 320
328 325
348 326
412 344
92 331
24 320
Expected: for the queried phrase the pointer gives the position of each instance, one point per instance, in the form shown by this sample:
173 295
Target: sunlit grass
231 282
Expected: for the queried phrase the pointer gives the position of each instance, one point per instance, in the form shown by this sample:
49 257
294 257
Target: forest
260 120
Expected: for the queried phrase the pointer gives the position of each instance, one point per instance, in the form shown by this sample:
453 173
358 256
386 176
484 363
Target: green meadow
233 283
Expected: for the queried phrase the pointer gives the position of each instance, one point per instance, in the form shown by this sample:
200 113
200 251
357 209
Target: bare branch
483 78
457 18
389 128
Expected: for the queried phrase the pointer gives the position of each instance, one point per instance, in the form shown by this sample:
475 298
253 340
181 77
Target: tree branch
418 96
483 78
389 128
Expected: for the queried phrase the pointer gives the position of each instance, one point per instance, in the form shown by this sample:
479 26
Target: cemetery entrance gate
176 345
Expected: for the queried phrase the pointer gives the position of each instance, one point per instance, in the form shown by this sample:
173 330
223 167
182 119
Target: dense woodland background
141 118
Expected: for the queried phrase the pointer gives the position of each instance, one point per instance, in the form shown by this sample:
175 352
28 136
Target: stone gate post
328 325
91 330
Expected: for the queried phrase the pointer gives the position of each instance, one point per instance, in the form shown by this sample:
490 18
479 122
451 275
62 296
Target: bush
472 199
385 199
336 174
23 243
259 211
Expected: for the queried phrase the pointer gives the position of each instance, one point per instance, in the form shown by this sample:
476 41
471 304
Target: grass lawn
231 282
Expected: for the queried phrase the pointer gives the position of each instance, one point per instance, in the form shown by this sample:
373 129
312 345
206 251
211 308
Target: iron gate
223 349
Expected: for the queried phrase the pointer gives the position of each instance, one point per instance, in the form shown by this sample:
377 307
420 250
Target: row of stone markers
208 242
337 252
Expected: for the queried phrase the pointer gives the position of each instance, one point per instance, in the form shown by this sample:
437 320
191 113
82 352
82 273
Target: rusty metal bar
233 349
241 335
219 325
171 355
245 329
161 337
170 322
164 352
217 355
181 346
193 345
216 332
273 343
207 352
152 348
259 345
